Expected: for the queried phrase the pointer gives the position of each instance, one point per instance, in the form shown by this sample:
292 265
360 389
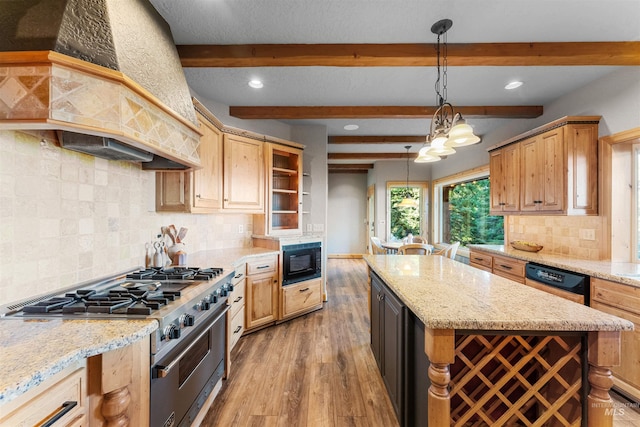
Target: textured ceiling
223 22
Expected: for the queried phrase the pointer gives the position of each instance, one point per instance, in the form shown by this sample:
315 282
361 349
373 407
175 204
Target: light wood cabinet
236 300
63 395
199 191
623 301
261 292
543 172
301 298
244 176
284 192
558 170
504 165
507 267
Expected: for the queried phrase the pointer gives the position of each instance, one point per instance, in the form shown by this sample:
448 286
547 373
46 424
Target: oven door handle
163 371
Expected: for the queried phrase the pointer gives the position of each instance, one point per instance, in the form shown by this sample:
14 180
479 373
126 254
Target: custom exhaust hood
104 74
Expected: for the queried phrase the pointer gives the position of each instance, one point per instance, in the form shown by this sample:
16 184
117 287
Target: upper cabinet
243 179
232 176
199 191
284 192
552 169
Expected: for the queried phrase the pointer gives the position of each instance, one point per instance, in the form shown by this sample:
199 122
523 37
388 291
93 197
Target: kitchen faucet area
392 214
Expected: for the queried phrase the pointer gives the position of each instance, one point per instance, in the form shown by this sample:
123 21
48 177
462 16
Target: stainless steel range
187 350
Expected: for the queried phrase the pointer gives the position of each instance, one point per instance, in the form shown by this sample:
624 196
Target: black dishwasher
564 280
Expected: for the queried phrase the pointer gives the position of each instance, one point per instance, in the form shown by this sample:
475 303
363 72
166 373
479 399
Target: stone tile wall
67 217
575 236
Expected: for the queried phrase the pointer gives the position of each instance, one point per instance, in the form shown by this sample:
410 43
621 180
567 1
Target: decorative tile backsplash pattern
64 94
67 217
575 236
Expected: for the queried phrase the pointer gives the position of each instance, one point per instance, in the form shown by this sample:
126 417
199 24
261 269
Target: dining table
393 246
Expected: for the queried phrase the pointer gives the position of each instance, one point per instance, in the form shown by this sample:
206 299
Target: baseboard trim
353 256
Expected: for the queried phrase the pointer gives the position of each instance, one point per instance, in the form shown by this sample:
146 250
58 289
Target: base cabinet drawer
301 297
236 328
481 260
510 268
62 395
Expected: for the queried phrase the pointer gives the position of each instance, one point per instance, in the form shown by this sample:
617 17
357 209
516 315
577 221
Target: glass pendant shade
441 151
424 156
461 135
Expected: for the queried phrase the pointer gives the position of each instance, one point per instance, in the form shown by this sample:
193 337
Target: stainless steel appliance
187 350
301 262
570 285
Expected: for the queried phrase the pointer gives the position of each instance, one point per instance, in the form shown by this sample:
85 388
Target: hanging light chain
444 68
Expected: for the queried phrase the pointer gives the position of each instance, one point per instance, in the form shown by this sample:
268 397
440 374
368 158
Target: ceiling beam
370 156
347 171
350 166
377 139
380 112
410 54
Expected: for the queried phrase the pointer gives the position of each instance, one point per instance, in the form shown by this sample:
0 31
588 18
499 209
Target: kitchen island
498 351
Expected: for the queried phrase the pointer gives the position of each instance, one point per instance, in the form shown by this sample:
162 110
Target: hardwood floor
316 370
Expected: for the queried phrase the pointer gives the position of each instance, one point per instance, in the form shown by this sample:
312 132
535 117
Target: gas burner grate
176 273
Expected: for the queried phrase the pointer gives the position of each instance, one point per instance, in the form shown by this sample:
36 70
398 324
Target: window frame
424 206
437 192
635 199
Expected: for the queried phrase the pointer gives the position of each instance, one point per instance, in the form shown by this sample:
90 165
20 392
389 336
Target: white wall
346 232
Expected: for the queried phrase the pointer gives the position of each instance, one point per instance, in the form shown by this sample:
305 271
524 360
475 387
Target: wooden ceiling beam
411 54
377 139
379 112
347 171
370 156
351 166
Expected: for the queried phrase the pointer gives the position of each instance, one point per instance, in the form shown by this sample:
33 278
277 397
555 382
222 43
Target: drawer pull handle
507 267
64 409
237 276
260 267
304 290
478 259
237 299
237 329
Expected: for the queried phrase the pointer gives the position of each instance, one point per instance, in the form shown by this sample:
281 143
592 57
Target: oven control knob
204 305
229 287
171 332
187 319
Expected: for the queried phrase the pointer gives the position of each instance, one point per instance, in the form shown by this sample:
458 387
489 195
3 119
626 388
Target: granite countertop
622 272
446 294
33 350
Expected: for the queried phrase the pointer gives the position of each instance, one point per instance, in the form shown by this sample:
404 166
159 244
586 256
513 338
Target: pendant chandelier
449 130
408 201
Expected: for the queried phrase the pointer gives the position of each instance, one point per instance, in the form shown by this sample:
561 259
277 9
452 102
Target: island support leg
603 353
439 345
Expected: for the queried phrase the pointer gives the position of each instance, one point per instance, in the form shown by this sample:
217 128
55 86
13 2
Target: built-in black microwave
301 262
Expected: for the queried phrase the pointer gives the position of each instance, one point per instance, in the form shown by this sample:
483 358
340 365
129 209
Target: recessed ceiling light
351 127
513 85
256 84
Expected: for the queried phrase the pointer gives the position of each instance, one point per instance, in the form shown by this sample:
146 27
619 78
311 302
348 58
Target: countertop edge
58 364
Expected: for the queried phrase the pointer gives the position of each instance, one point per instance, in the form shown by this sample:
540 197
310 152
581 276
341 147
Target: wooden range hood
104 74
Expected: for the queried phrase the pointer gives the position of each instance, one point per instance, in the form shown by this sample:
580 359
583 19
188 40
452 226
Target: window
404 220
461 210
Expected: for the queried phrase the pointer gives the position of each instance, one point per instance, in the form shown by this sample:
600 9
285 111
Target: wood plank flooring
318 370
315 370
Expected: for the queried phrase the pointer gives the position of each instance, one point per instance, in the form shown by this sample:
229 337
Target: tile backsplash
67 217
574 236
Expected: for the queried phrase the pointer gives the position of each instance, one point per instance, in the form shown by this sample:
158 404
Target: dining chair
376 247
449 250
418 239
414 249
